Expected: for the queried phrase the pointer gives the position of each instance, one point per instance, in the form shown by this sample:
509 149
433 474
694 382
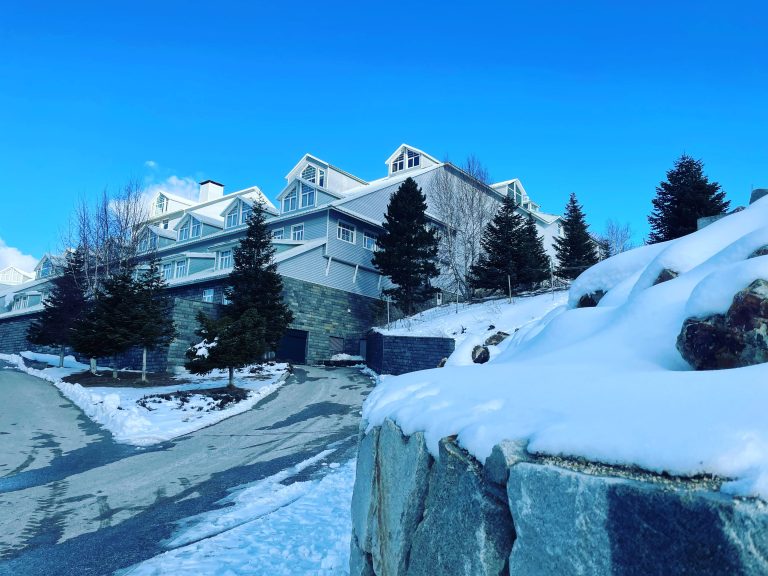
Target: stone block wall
326 312
320 311
519 513
401 354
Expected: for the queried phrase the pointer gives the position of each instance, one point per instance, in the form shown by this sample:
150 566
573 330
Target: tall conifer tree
154 313
535 263
407 249
255 319
685 196
62 308
498 267
576 250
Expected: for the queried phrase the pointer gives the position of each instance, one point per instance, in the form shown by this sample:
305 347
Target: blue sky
597 98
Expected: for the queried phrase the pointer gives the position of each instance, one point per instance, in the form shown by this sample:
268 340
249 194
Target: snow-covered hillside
469 325
607 383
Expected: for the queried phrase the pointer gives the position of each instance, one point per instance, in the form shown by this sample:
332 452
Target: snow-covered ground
271 527
470 324
607 383
116 409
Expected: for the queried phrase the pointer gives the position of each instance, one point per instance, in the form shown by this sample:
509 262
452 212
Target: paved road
72 501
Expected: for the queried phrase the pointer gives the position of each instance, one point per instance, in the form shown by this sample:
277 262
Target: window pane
196 227
297 232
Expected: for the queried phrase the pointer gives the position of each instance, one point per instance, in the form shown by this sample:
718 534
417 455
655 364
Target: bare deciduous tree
465 209
616 238
107 230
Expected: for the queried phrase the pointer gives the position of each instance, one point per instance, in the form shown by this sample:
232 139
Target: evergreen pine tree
407 249
109 326
153 313
62 308
576 250
256 317
498 267
535 263
682 199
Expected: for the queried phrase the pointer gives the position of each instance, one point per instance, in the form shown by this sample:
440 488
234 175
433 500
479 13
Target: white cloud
10 256
186 187
150 164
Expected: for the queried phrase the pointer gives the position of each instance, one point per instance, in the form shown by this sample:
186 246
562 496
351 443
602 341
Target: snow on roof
607 383
155 229
376 185
210 220
29 275
175 197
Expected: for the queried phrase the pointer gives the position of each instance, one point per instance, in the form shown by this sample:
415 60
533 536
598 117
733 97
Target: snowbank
607 383
116 409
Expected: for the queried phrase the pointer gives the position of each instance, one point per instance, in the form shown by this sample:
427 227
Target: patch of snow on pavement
271 529
116 409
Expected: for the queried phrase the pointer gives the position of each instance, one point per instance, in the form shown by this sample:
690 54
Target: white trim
341 227
293 227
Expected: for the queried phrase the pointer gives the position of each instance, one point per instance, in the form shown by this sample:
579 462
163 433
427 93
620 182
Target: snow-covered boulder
737 338
480 354
496 339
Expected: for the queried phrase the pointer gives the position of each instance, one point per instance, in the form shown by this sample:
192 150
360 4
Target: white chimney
210 190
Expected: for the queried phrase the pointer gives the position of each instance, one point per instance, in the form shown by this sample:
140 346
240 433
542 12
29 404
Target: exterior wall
13 334
342 250
325 313
401 354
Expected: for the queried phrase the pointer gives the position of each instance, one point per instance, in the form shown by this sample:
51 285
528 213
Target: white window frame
180 269
374 245
225 257
245 212
208 295
414 159
291 201
343 228
297 232
184 232
307 193
278 234
167 271
398 163
193 223
232 218
165 224
46 269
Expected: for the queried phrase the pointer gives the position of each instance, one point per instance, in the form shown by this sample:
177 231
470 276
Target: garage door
293 347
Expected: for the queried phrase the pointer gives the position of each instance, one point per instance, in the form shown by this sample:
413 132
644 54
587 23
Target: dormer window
233 217
184 232
148 242
289 202
398 163
161 205
245 214
46 269
196 228
414 159
307 195
313 175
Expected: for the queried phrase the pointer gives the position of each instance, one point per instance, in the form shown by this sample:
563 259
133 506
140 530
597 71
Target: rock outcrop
665 276
496 339
734 339
590 300
524 514
480 354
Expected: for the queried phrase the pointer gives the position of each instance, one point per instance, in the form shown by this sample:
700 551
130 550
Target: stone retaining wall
401 354
519 514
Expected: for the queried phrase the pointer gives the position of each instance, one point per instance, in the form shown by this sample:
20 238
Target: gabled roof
158 231
202 218
250 197
414 149
28 275
179 199
316 160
